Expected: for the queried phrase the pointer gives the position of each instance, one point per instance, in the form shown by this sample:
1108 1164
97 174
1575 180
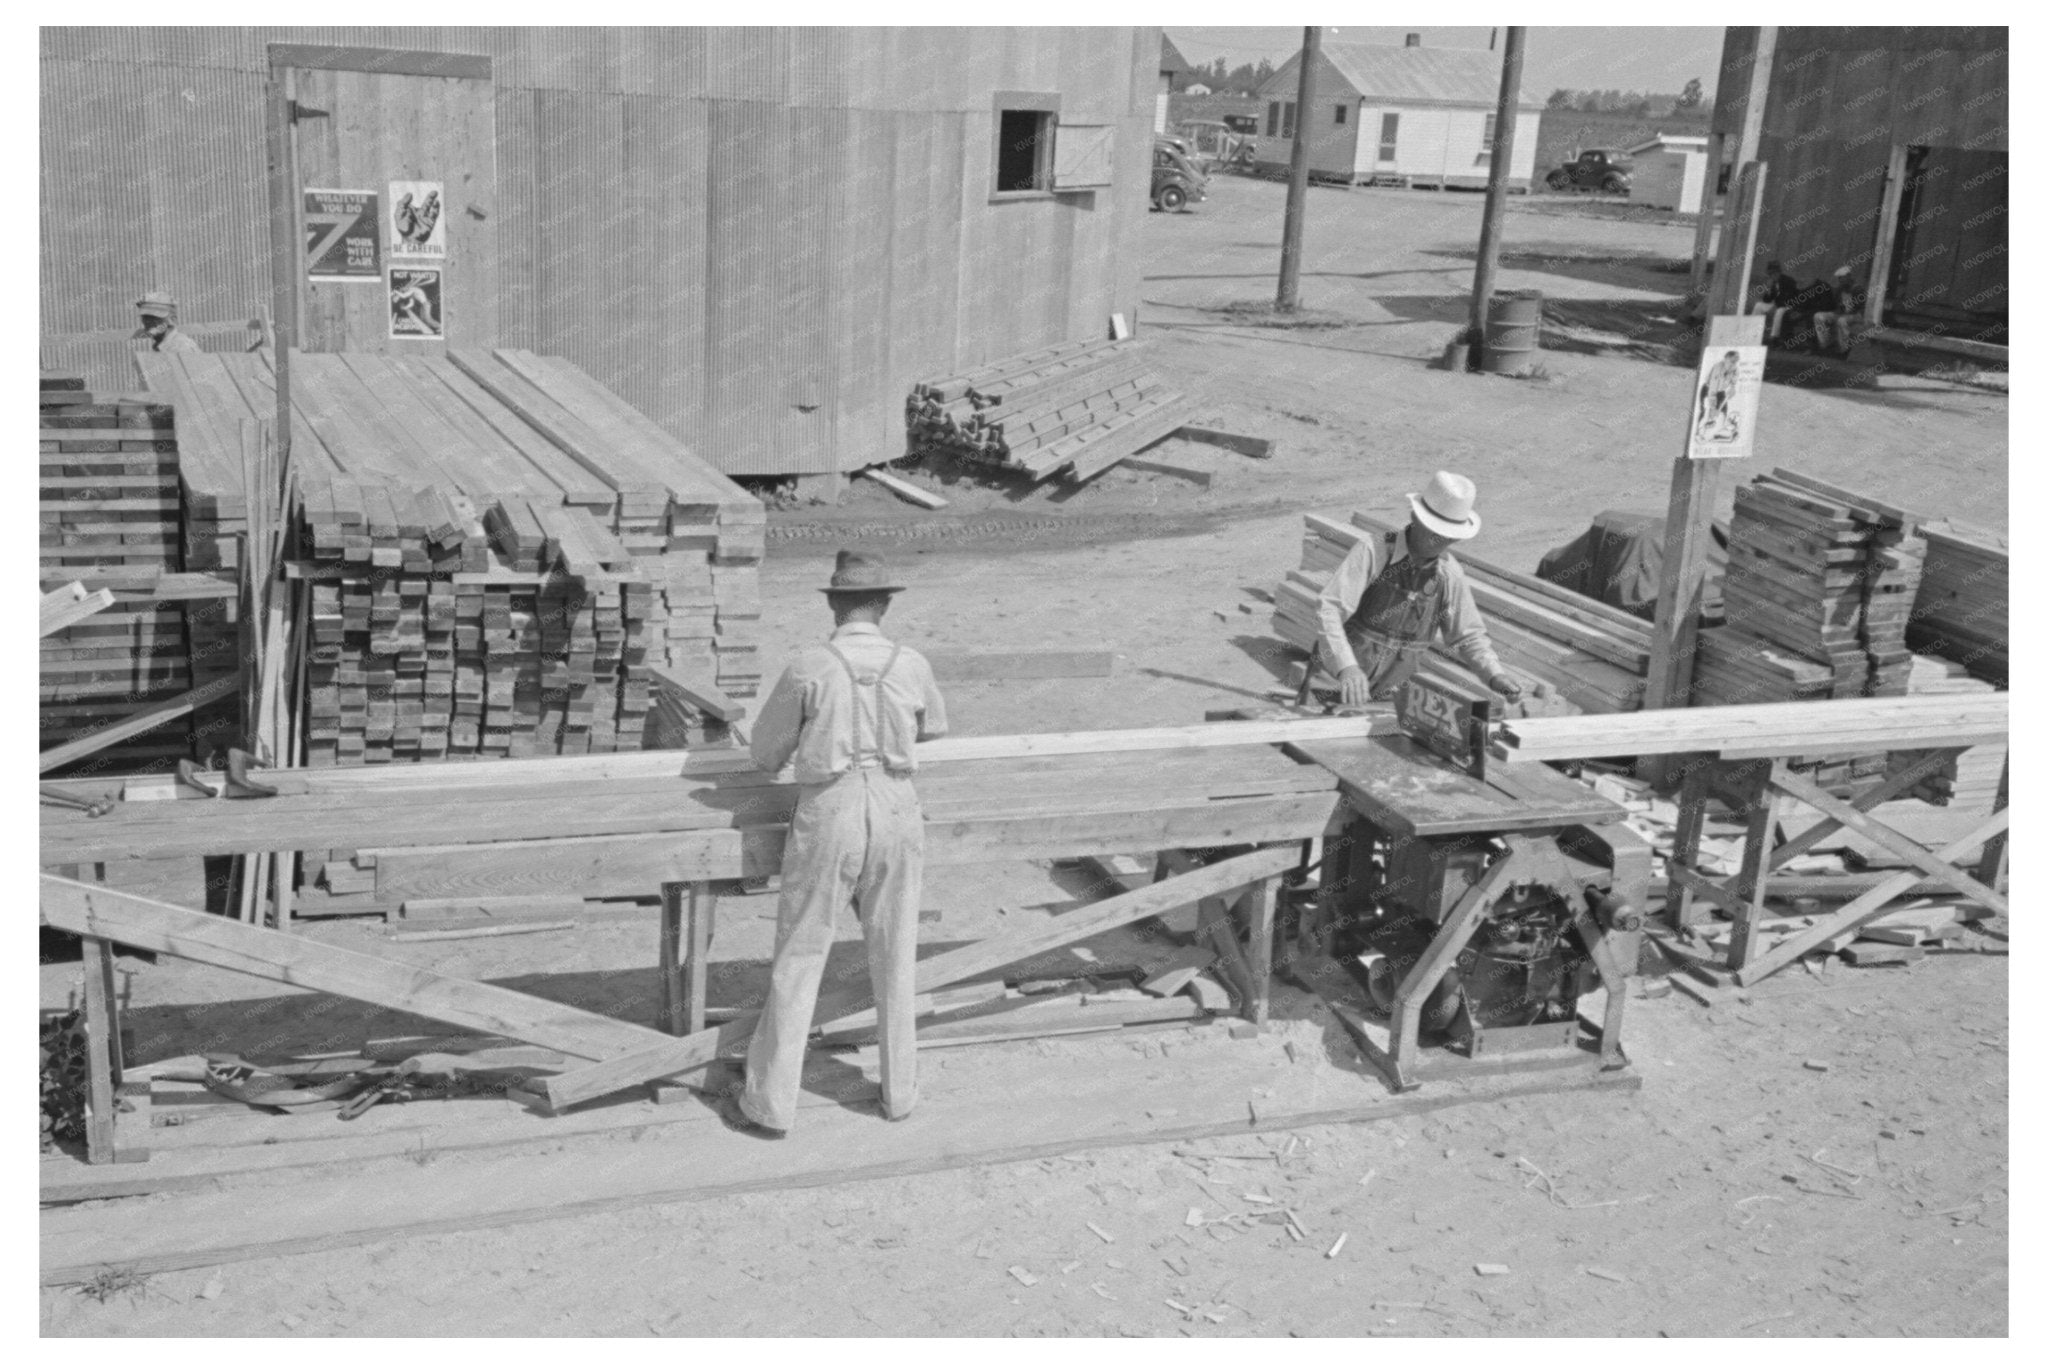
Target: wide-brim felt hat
858 571
1445 506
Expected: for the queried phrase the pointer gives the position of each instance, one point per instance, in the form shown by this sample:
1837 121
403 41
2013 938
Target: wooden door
398 141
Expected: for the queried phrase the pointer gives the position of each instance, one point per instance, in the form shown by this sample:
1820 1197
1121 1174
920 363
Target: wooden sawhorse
1764 786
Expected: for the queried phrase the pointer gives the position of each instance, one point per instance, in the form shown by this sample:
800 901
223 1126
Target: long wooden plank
909 492
675 1055
563 432
69 605
1100 1106
533 772
161 714
97 911
1790 728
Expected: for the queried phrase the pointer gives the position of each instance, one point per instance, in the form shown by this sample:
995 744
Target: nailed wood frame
674 1056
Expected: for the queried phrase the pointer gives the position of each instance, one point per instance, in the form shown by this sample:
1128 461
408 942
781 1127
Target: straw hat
1445 506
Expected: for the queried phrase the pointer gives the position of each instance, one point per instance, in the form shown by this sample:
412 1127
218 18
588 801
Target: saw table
1473 902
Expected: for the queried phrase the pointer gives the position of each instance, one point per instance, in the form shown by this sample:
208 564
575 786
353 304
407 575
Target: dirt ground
1825 1157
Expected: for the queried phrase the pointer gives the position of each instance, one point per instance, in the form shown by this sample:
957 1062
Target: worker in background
1842 302
1774 297
850 712
1383 608
159 312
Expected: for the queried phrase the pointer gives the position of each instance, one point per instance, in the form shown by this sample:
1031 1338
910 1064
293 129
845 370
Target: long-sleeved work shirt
1460 623
817 715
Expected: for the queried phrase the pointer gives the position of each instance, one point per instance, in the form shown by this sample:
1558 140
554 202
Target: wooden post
1882 249
102 1049
1259 913
669 1011
1703 230
1740 109
1496 184
285 246
1685 838
1766 806
1682 580
702 909
1728 291
1991 866
1289 297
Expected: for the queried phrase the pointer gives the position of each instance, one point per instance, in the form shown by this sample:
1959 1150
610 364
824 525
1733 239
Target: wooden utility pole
1501 162
1738 109
1289 297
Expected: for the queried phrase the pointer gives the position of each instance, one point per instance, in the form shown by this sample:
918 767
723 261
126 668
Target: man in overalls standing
850 713
1388 600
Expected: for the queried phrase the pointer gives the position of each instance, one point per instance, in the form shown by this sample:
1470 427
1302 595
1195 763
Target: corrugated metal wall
761 237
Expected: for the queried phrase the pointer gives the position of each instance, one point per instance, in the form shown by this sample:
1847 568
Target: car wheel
1172 198
1557 179
1614 184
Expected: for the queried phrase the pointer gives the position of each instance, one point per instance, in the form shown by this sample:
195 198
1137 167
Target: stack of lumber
475 432
1971 781
112 512
1818 574
1960 610
1079 407
522 632
1592 655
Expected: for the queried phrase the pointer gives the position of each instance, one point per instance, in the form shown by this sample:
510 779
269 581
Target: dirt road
1825 1157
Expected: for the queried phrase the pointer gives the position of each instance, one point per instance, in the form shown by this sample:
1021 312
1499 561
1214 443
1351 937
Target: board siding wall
1839 98
760 237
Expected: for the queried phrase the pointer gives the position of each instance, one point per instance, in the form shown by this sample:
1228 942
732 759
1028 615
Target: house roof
1171 63
1411 75
1675 142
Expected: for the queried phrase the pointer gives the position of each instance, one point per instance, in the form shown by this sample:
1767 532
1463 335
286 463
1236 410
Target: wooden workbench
1408 792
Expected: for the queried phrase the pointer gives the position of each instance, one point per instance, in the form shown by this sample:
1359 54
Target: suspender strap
876 682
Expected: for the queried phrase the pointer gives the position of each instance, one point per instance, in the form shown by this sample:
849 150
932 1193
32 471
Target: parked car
1176 181
1212 143
1600 168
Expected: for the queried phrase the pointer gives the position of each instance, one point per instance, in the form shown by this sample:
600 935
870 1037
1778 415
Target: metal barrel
1514 327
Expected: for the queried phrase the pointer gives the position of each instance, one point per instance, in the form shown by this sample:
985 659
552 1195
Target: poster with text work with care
341 235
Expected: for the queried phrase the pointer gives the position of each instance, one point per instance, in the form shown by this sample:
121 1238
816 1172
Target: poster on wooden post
1725 396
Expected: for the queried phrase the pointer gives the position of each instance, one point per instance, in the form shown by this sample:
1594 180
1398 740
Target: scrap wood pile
1079 407
497 549
112 511
1592 655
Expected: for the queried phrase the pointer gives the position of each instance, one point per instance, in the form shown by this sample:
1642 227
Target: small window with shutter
1082 154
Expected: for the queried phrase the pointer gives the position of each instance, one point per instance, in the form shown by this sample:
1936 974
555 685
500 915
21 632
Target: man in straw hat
1388 600
159 314
850 713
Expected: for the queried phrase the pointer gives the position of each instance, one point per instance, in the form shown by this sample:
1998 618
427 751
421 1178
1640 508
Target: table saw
1468 905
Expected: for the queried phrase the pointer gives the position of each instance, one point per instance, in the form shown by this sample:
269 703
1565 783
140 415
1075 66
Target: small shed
1670 172
1410 115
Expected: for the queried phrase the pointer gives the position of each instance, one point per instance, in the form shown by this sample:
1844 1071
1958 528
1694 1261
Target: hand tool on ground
93 807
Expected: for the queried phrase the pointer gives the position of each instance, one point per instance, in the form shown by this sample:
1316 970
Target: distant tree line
1640 104
1224 79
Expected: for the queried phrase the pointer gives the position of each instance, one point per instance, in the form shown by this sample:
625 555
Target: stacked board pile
1960 610
501 525
1818 592
520 633
113 512
1971 781
1079 407
1592 655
